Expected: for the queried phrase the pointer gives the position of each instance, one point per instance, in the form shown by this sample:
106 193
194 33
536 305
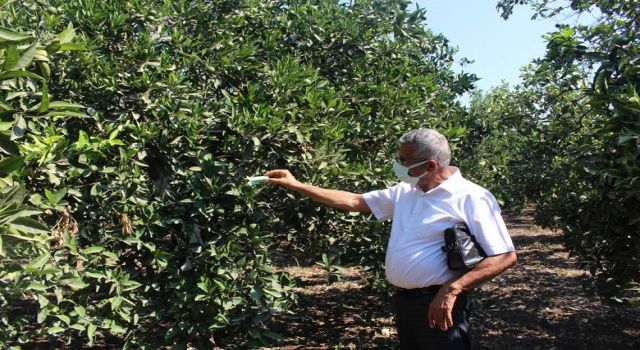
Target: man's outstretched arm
334 198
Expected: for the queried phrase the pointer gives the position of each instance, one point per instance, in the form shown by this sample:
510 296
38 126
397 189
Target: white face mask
402 172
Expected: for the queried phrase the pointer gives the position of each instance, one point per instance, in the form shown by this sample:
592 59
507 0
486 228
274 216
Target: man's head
425 144
423 154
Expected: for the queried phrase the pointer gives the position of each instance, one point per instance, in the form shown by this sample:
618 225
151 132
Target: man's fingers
430 319
440 324
444 324
435 318
440 318
276 181
445 321
276 173
449 319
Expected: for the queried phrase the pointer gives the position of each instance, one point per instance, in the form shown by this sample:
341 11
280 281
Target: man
432 302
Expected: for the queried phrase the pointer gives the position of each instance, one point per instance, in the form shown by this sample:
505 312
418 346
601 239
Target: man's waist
430 290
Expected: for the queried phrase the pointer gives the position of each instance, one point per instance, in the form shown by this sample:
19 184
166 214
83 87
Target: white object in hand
256 180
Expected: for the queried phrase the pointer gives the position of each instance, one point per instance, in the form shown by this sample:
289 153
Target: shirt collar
452 183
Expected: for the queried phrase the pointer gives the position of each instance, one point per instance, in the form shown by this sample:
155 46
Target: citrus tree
593 193
28 267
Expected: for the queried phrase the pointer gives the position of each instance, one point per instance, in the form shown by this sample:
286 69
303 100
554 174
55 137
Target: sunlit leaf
67 35
28 225
12 36
26 58
10 164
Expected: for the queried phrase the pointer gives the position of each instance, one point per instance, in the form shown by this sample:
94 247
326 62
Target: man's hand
283 178
441 309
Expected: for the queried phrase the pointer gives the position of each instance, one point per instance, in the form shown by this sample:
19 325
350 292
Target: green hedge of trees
583 146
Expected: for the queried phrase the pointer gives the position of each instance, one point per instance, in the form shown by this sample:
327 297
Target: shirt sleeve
487 225
382 202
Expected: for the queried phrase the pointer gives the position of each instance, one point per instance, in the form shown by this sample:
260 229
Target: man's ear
432 165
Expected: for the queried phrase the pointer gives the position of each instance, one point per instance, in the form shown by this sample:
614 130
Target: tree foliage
592 189
154 237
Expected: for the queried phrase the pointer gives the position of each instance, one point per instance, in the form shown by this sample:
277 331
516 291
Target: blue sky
498 48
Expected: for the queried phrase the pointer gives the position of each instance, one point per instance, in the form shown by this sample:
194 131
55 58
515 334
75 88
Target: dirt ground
538 304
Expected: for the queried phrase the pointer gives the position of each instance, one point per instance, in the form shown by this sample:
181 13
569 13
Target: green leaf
11 58
42 55
9 215
91 333
45 69
28 225
44 102
130 285
72 244
53 47
114 134
64 105
8 146
115 302
78 327
11 36
5 110
83 140
55 197
14 194
64 318
43 301
273 293
26 238
37 286
48 271
92 250
5 126
67 35
204 285
58 293
10 164
94 274
26 58
10 212
221 285
38 262
110 255
55 330
72 47
42 315
117 329
19 74
65 114
80 310
75 283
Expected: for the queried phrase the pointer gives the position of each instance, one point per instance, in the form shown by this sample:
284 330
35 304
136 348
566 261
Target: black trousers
413 327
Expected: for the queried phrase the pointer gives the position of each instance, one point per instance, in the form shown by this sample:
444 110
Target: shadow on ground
539 304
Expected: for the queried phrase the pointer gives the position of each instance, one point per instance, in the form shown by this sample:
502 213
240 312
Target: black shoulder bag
463 252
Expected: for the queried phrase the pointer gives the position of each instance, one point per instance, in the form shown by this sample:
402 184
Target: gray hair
430 144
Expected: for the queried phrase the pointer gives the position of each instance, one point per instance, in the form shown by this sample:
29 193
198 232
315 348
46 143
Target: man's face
407 157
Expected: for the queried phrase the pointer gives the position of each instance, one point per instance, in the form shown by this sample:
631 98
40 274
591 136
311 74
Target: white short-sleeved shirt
414 256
